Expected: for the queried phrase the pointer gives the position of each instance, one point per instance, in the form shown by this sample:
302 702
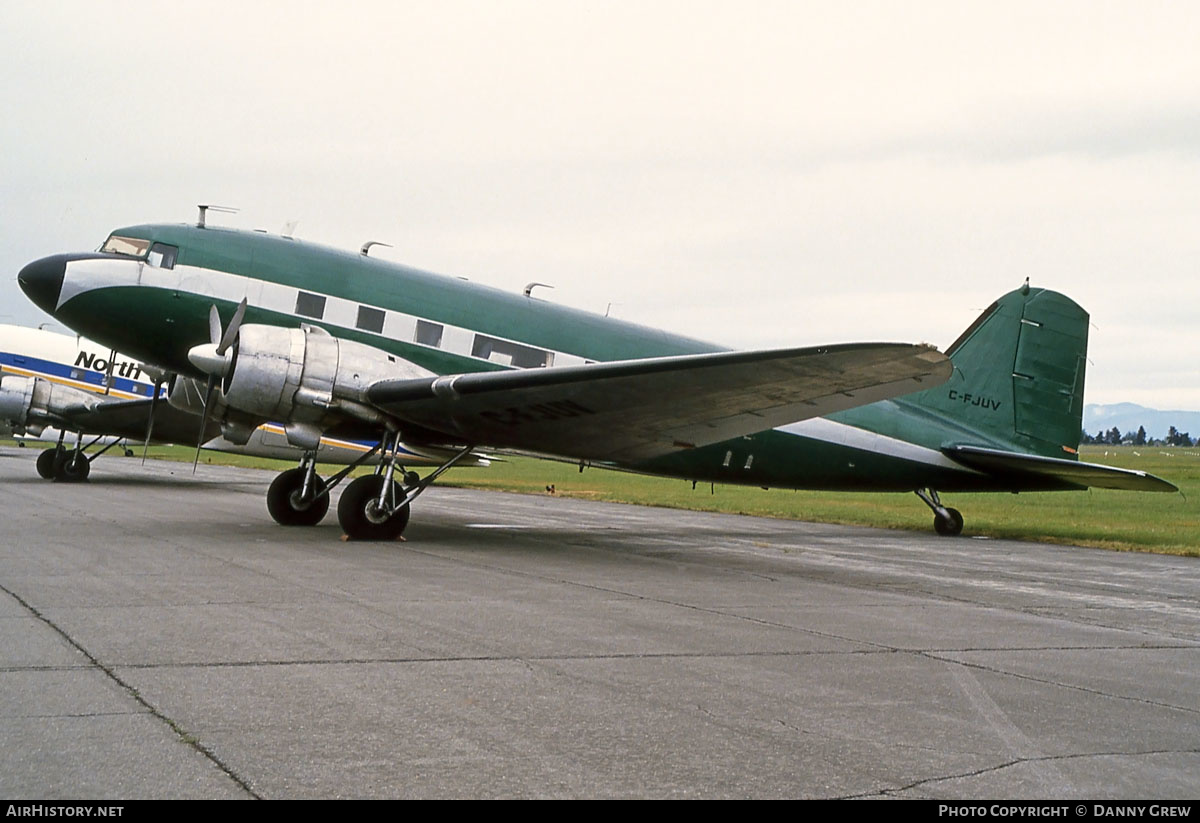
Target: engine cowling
304 378
29 404
187 395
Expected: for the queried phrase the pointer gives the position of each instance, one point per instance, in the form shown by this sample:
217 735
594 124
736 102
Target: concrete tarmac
161 637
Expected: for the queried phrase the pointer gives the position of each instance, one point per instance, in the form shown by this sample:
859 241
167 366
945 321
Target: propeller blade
214 325
234 324
108 373
150 419
208 391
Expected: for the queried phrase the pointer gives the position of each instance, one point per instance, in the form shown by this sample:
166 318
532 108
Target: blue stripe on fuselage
75 374
94 380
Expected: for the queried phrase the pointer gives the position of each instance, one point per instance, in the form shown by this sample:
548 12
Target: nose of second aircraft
42 281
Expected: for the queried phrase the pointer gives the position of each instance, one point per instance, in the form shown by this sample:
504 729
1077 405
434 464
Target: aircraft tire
358 515
949 528
72 469
281 500
45 464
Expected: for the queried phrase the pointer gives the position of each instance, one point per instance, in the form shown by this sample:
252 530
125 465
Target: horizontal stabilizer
636 409
1073 472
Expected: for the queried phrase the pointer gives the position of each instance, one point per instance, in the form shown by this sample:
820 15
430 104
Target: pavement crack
1059 684
183 735
56 715
1019 761
523 659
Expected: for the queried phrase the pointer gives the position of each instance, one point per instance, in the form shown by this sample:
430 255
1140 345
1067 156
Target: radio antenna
529 287
204 207
366 247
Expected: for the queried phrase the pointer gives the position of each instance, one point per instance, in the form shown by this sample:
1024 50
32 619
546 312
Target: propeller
211 359
159 378
108 373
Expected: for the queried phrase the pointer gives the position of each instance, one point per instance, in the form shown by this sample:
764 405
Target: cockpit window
162 256
132 246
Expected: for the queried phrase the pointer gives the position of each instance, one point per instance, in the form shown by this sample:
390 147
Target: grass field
1125 521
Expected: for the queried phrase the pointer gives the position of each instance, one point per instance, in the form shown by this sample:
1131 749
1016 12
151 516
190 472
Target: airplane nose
42 281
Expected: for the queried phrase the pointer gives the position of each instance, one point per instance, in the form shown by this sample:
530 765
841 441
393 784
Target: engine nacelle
29 404
306 378
187 395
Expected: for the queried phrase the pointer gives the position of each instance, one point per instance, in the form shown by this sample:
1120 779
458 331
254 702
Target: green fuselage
449 326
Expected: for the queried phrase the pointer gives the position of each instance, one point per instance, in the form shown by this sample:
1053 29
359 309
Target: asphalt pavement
160 636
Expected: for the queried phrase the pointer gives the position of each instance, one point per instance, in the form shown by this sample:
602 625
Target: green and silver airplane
268 328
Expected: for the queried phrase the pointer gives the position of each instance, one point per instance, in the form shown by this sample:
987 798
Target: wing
636 409
127 418
1054 469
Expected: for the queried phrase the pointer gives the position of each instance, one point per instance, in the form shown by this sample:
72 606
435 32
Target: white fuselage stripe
82 276
841 434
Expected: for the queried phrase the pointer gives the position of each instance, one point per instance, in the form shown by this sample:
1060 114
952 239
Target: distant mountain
1128 416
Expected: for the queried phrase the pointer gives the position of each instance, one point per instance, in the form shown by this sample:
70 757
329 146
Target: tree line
1139 438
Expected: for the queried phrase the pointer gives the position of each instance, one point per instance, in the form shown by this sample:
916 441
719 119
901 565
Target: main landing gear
373 507
63 465
946 521
298 497
377 507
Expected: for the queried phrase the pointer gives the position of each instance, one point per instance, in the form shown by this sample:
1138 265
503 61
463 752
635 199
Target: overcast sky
758 174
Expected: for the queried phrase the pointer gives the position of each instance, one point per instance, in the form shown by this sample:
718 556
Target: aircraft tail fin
1018 374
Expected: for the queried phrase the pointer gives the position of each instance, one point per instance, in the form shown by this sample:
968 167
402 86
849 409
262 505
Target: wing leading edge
1081 475
127 418
637 409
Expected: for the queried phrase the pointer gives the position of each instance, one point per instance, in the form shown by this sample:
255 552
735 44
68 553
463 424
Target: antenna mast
204 207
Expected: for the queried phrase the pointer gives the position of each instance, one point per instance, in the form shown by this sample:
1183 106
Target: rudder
1019 373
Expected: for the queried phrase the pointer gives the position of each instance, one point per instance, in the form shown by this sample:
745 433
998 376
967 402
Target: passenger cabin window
310 305
162 256
428 334
131 246
510 354
370 319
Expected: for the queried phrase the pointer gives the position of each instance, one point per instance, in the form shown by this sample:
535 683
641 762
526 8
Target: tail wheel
285 505
362 518
949 527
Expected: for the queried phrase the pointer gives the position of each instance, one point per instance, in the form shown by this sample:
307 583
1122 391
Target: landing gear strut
298 497
946 521
69 466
